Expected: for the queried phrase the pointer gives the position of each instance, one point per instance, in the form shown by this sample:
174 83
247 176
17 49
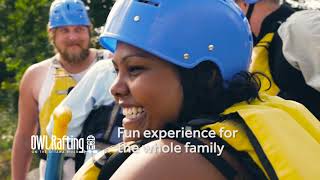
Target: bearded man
45 84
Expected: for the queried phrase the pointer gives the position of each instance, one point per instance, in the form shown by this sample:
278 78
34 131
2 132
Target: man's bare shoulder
40 66
34 76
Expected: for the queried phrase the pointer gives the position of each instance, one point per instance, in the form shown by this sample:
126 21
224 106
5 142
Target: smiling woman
177 69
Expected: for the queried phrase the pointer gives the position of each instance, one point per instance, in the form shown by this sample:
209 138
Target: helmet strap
249 12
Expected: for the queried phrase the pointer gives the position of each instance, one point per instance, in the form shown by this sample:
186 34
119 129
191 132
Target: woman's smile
133 116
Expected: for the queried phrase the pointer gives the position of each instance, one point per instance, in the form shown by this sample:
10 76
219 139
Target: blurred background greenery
23 41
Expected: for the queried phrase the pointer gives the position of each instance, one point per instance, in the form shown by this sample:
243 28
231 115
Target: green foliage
7 129
24 38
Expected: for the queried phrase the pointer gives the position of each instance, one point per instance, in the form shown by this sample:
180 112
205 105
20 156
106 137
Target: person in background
45 84
292 76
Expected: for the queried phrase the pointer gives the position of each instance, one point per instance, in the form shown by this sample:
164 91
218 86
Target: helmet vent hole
68 6
149 2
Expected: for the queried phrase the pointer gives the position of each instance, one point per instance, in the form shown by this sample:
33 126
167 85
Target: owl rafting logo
43 143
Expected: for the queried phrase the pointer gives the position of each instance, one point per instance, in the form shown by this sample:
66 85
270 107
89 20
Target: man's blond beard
74 58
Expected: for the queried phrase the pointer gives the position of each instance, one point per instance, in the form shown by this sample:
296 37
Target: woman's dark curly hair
206 93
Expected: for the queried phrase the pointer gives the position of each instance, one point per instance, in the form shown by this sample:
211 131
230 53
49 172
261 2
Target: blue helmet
184 33
251 1
68 13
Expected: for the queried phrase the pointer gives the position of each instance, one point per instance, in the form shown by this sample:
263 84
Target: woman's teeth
132 112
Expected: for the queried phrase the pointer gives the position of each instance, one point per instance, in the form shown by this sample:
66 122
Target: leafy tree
24 38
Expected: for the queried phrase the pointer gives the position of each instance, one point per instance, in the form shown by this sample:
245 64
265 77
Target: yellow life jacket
92 168
282 138
62 84
260 64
